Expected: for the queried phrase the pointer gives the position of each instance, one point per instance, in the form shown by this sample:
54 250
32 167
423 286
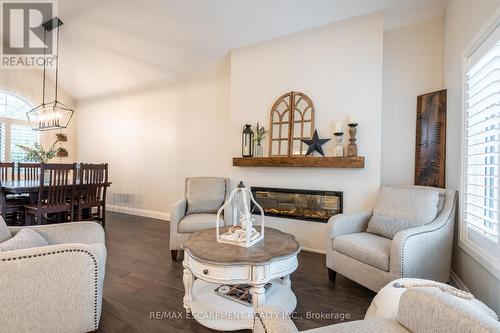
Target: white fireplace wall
185 128
339 66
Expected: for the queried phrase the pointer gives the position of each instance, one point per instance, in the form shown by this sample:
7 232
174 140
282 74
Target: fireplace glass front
308 205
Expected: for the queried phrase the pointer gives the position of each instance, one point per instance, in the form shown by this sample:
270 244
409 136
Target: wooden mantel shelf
304 162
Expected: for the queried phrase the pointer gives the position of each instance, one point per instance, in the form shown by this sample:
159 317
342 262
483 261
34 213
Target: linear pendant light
50 115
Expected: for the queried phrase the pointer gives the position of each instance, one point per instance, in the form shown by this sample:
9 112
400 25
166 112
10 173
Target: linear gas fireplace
308 205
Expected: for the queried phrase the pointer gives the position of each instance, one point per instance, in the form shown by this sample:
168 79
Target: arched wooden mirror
292 119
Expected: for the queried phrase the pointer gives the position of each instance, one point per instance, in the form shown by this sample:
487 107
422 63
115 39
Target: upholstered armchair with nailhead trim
197 209
55 288
408 234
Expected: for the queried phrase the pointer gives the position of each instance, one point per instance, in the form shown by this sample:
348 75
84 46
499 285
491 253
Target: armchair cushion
400 208
385 304
195 222
85 232
24 239
432 310
4 230
205 194
368 248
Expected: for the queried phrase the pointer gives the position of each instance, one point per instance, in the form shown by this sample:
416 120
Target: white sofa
415 310
55 288
373 260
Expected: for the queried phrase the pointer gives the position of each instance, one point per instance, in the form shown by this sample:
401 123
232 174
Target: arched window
14 128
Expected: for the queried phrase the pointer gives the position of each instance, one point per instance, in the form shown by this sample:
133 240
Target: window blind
14 128
21 135
481 155
2 141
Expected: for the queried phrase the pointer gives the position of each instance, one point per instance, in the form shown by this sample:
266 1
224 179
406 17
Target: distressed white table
208 264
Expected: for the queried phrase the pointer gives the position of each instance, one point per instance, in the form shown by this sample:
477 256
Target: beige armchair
416 310
373 260
197 209
55 288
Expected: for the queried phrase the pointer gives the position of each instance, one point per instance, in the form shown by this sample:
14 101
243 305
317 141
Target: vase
259 150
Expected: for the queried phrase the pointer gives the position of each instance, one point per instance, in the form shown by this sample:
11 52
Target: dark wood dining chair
92 192
6 171
11 208
28 171
56 192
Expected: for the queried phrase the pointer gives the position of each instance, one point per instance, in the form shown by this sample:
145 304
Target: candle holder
338 149
352 147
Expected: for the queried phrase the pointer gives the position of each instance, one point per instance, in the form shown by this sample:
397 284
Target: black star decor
315 144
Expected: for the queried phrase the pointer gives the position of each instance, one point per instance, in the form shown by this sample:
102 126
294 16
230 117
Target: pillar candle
338 127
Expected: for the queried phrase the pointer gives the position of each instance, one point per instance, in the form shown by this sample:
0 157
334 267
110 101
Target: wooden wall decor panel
430 148
291 120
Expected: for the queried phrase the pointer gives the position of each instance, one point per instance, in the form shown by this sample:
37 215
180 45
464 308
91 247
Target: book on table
238 292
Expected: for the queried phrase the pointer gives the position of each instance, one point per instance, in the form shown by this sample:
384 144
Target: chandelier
54 114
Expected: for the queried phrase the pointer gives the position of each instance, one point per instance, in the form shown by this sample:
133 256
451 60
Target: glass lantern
241 233
247 141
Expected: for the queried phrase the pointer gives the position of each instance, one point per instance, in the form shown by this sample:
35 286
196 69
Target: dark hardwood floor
141 279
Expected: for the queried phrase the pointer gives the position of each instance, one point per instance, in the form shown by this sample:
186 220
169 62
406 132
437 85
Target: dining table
31 187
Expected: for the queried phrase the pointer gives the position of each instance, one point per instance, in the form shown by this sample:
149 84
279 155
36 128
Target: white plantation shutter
14 128
481 155
21 135
2 141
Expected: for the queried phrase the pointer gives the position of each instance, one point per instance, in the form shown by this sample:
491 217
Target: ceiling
108 46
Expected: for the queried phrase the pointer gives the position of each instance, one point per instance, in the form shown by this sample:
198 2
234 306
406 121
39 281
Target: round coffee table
209 264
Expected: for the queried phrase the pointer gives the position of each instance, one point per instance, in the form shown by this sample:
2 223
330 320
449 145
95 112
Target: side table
208 264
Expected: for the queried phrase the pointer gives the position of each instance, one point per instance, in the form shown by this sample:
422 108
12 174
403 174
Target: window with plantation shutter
14 128
481 152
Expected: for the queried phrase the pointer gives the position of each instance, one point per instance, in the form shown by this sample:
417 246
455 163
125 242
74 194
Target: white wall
339 66
413 65
463 20
27 84
188 128
155 137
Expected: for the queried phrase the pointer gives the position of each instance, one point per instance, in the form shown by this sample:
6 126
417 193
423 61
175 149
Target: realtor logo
23 37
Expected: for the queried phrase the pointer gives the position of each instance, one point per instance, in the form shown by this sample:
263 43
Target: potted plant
39 154
61 137
62 152
259 136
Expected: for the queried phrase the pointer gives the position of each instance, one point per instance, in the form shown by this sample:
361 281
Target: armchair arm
425 252
343 224
273 320
64 280
177 213
72 232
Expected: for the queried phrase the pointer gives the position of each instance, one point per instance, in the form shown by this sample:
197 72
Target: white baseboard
460 284
308 249
139 212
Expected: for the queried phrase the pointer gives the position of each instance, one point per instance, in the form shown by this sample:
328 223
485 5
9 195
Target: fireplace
310 205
